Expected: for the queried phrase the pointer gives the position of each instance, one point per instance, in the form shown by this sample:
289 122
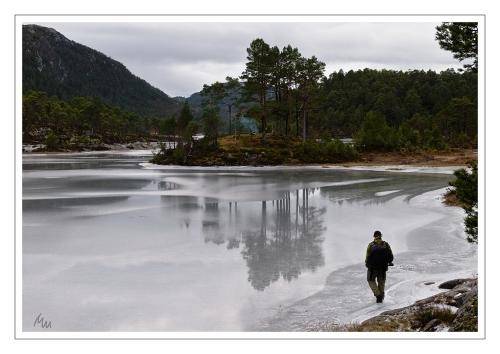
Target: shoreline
252 151
451 157
369 168
453 310
33 149
395 162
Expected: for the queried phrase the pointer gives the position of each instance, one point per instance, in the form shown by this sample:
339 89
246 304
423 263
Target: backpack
379 255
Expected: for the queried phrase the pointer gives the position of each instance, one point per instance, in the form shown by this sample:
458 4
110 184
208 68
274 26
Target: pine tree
460 38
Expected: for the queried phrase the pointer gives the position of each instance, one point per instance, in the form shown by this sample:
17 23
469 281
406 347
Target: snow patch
381 194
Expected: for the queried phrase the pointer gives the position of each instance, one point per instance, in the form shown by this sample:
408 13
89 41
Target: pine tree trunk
304 124
263 117
229 106
297 132
288 113
304 119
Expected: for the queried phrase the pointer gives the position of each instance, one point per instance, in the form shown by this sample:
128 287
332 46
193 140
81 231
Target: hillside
58 66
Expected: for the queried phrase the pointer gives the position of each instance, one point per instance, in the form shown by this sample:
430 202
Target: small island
248 150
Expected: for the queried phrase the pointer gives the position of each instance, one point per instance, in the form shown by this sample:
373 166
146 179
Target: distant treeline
80 121
396 109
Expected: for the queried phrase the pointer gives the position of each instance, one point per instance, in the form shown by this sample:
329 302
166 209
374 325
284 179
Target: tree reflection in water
288 246
287 241
211 226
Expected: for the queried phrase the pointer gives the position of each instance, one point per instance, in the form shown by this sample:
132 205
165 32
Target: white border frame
21 18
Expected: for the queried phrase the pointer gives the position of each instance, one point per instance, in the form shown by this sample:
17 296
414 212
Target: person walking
378 257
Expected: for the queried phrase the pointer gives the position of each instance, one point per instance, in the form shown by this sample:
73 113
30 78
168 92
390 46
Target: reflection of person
378 257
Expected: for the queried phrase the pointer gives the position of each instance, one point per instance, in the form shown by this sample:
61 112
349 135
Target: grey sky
179 58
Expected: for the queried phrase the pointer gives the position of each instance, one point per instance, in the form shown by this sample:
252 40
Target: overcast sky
179 58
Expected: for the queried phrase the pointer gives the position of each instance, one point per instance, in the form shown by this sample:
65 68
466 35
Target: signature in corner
39 320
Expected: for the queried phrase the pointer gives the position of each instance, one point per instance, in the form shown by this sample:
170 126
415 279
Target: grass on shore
408 320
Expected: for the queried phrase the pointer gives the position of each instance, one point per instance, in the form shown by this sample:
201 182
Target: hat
377 234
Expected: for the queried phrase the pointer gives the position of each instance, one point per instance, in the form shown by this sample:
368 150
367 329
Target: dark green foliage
465 186
63 68
258 75
167 126
284 84
322 152
184 118
309 72
399 96
231 104
52 141
179 155
410 137
376 135
212 96
185 151
186 128
460 38
419 132
190 130
458 121
77 123
276 151
471 224
211 124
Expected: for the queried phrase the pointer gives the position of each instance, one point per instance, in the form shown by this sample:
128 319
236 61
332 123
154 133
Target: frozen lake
111 243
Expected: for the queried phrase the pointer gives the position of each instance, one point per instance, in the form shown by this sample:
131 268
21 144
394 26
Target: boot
379 299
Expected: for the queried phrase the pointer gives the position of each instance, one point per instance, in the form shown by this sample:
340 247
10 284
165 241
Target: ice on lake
112 243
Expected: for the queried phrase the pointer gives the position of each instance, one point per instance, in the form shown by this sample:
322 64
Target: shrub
465 186
427 314
410 137
331 151
462 140
179 155
375 134
337 151
52 141
433 139
78 141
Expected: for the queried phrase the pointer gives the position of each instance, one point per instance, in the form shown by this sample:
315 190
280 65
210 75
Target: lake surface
112 243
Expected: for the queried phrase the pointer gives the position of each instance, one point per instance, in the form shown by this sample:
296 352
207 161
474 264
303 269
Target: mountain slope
58 66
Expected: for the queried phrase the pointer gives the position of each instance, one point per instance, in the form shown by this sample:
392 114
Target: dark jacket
378 255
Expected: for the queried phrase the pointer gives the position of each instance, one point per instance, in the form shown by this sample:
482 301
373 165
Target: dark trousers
376 280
